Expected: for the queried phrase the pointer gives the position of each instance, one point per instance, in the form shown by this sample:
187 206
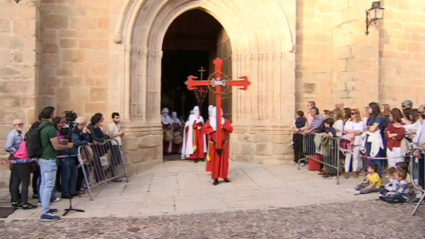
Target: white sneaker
57 199
356 192
292 143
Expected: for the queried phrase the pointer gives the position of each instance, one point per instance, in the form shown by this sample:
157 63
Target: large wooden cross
218 83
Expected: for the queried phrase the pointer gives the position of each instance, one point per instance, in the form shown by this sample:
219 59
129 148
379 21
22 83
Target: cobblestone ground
367 219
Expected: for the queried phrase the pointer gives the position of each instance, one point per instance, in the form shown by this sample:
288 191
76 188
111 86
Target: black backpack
33 140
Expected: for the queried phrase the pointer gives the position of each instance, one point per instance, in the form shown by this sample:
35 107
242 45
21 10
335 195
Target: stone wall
314 53
402 52
355 65
75 55
18 74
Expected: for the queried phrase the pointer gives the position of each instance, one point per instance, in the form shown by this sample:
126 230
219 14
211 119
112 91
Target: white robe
187 147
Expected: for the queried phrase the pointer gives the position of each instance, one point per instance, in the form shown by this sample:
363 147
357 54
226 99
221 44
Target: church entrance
191 43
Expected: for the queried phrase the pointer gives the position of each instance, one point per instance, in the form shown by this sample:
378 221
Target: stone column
19 50
264 111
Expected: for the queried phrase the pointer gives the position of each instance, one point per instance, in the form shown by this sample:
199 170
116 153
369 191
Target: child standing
297 138
402 194
372 183
330 131
392 185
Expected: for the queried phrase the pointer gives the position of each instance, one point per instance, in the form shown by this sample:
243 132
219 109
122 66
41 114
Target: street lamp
374 14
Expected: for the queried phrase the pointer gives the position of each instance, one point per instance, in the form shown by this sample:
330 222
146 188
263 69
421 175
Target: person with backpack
21 172
44 144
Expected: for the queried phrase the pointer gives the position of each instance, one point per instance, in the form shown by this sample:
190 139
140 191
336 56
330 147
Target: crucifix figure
217 83
202 70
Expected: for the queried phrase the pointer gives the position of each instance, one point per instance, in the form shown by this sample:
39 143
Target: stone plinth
142 145
261 144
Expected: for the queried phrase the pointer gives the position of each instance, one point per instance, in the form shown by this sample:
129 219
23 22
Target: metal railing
324 151
101 163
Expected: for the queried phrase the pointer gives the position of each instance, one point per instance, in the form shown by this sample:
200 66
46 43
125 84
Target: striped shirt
316 123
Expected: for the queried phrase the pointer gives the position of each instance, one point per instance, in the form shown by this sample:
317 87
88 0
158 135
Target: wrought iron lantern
374 14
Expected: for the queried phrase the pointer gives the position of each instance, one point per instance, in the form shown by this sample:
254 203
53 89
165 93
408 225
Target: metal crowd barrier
101 163
414 168
322 151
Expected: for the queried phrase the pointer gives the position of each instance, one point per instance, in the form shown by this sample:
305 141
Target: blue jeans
364 189
48 170
53 197
68 169
383 191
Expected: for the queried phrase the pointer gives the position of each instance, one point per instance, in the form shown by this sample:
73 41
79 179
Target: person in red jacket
395 134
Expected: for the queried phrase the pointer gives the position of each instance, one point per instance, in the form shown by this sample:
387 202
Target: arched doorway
191 43
262 48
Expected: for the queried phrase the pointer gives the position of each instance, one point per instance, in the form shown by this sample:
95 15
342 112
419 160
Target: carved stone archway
262 48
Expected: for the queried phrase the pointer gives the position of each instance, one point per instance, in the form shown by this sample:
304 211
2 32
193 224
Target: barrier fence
336 155
101 163
415 166
321 152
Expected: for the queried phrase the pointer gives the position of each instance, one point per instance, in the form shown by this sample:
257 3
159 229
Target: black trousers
21 174
421 179
35 176
298 140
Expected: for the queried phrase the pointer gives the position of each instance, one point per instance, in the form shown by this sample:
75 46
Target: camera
70 117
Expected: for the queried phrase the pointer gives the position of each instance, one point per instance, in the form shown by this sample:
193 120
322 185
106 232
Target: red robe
199 141
218 165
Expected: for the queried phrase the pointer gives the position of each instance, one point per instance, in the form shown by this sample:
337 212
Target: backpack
33 139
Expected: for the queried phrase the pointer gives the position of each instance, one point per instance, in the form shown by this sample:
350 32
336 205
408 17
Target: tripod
71 208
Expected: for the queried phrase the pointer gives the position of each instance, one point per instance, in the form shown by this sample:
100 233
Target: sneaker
53 210
28 206
357 193
292 143
49 218
382 197
17 204
302 164
35 196
57 199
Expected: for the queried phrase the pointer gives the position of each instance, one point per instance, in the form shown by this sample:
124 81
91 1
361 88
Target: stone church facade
105 56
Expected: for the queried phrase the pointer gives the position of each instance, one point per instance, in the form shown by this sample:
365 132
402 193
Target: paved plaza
177 200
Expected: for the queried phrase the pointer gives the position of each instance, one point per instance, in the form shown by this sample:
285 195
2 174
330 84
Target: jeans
68 170
383 191
21 174
364 189
396 199
48 170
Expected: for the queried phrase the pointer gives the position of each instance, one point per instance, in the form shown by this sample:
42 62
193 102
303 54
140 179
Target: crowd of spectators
372 141
56 169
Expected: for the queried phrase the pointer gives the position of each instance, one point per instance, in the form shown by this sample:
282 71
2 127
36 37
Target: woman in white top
339 122
354 129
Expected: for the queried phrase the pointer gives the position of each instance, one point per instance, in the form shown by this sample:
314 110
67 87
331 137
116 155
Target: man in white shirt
114 132
419 141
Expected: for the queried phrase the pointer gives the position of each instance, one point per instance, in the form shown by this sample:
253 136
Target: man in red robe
218 163
195 143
